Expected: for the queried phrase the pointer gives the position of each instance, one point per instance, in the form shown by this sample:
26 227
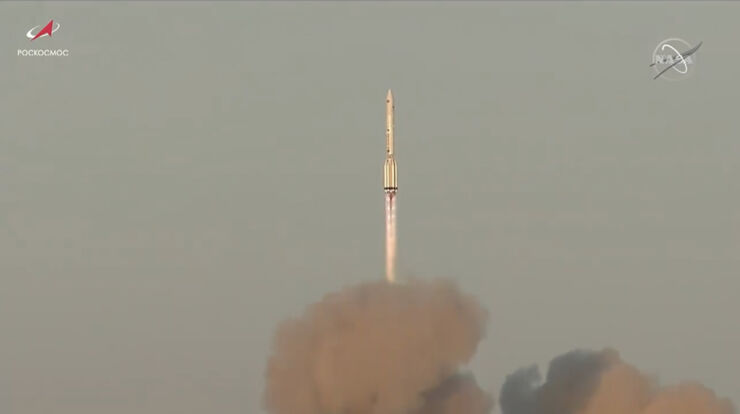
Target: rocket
390 173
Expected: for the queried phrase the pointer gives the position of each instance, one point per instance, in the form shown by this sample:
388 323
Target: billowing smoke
588 382
458 394
380 348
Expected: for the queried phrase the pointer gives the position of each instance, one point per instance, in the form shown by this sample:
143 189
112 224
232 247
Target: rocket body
390 172
390 186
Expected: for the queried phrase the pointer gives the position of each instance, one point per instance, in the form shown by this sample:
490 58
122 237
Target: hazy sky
194 173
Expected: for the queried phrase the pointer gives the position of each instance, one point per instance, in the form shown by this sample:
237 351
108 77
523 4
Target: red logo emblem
46 31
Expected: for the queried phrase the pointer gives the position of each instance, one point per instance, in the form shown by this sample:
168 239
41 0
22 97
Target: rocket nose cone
389 96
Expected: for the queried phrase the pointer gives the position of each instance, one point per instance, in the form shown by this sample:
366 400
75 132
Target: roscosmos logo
48 30
37 32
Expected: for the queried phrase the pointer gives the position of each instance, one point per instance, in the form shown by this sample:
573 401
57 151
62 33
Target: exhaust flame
390 236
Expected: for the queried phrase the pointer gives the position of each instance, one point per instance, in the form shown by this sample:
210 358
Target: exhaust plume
587 382
390 237
379 348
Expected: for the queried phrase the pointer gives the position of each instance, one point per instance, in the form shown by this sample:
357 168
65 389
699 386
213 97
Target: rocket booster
390 176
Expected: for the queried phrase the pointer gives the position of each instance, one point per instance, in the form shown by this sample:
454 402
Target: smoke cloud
379 348
382 348
458 394
588 382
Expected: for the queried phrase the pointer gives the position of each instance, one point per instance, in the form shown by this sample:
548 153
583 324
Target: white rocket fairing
390 173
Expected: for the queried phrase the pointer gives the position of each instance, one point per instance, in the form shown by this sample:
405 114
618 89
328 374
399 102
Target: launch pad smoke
589 382
381 348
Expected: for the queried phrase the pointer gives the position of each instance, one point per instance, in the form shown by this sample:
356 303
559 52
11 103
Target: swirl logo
48 30
674 59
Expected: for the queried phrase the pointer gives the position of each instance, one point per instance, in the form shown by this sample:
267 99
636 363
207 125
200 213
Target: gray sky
195 173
